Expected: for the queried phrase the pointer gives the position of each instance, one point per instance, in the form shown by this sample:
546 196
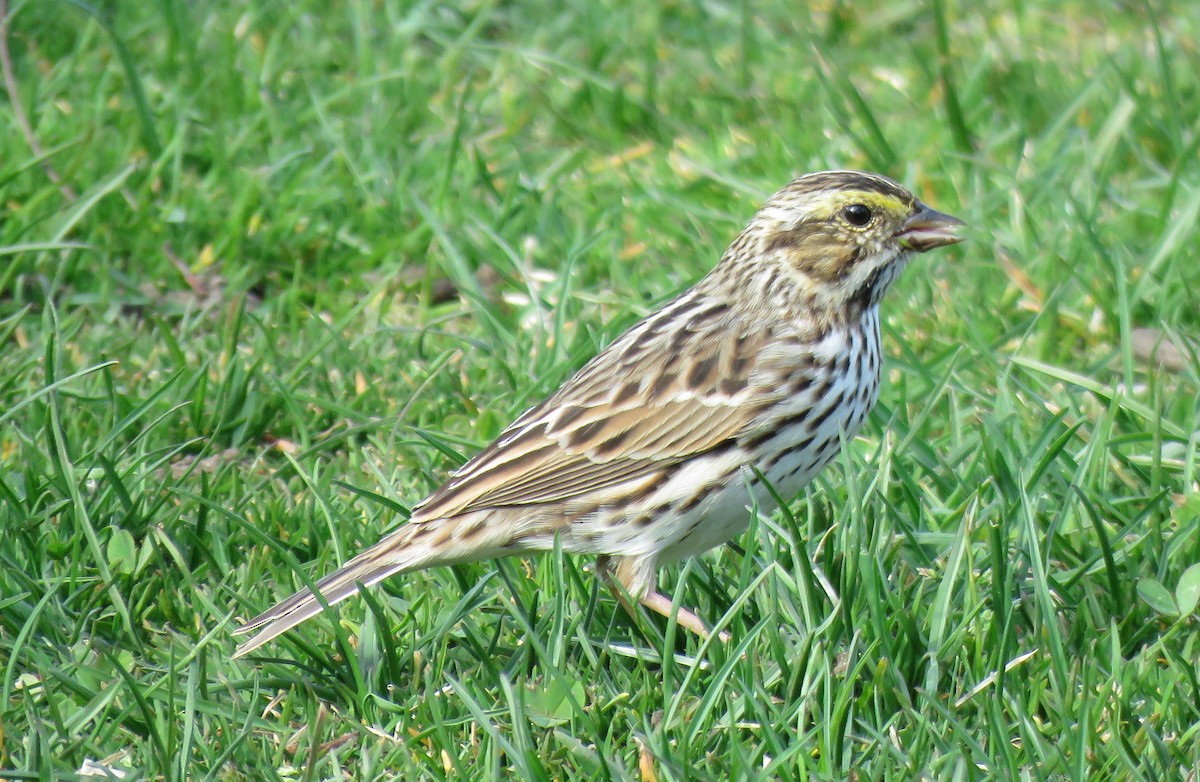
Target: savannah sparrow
645 456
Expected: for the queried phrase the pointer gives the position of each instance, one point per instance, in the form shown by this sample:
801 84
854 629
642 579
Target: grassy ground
301 260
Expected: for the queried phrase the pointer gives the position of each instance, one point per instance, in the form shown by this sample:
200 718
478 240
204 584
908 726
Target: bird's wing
660 394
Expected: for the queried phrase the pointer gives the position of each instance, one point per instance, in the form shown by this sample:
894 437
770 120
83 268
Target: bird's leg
606 575
634 577
684 617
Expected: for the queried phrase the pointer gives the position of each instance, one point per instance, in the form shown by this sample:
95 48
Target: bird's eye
857 214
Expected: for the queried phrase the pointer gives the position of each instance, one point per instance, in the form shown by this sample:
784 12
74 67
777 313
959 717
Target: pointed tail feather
412 547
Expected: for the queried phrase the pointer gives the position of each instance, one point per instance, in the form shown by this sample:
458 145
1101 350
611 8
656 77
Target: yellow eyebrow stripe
877 201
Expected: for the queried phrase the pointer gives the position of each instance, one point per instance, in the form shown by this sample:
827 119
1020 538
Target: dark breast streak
832 394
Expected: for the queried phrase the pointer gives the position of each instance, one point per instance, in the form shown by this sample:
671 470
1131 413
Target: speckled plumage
645 455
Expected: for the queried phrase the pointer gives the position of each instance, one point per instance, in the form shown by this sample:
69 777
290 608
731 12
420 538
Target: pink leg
636 577
685 617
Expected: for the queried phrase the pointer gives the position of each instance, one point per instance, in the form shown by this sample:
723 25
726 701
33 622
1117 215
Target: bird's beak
927 229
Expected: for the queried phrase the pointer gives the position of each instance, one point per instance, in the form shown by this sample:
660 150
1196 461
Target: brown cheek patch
817 252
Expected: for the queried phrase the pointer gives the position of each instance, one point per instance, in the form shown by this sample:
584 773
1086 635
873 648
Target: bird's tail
414 546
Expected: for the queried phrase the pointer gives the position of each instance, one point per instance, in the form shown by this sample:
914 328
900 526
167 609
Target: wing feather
605 426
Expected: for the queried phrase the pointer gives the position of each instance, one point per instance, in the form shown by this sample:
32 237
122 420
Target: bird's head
842 237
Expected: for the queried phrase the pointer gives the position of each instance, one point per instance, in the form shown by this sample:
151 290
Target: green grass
305 259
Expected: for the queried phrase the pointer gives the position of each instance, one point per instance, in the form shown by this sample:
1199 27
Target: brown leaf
645 763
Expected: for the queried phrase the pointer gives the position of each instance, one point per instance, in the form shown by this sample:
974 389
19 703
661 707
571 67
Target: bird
740 389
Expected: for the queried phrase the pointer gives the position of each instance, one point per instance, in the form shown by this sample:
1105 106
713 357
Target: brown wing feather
604 426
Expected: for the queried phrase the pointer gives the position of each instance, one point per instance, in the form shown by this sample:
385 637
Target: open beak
927 229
